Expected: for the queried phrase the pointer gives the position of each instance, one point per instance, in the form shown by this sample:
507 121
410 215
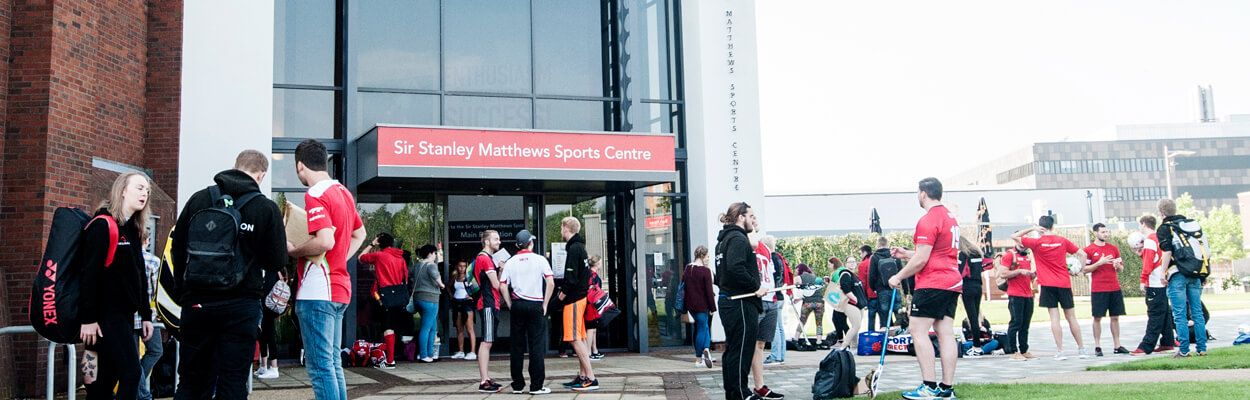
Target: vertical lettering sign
734 160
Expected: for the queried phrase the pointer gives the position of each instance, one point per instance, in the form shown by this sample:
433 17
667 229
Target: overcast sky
870 96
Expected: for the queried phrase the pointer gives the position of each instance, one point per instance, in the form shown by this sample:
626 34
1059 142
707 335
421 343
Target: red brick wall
6 14
86 79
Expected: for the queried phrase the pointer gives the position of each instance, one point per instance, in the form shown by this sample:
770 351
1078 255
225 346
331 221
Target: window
394 108
568 48
488 112
571 115
396 43
303 113
303 42
487 46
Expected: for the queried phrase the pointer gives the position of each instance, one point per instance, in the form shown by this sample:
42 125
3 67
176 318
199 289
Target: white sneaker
700 364
1082 353
974 352
544 390
260 371
1060 356
458 356
270 373
470 356
385 365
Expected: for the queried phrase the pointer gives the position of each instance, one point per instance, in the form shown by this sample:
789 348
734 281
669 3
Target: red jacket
863 277
389 267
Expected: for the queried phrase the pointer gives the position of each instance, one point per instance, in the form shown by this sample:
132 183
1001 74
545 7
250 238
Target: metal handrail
71 355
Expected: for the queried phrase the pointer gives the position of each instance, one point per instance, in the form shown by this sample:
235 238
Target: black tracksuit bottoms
972 306
118 358
1021 309
218 341
740 320
1159 326
529 332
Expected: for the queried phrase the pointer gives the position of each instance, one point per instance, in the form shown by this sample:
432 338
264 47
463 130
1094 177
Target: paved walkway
794 379
672 374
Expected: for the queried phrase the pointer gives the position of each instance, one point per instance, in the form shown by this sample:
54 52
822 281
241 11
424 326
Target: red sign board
477 148
659 222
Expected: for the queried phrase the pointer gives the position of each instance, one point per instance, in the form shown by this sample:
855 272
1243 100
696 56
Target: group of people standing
942 269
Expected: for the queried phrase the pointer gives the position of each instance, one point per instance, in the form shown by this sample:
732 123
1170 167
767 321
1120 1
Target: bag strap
242 200
113 236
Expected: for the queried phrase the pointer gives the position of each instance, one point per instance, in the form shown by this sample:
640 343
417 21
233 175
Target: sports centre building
444 118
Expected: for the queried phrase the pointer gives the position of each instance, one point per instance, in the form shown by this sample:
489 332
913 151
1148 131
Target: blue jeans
153 353
429 328
321 328
874 310
702 333
778 352
1184 292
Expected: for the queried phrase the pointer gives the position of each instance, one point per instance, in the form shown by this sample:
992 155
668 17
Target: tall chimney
1206 104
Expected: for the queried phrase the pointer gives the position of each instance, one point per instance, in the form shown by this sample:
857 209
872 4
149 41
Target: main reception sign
500 154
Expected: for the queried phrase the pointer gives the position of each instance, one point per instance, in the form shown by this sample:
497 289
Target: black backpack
1190 250
836 376
215 261
861 296
887 267
54 296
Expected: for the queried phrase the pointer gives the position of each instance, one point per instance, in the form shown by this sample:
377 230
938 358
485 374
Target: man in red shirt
874 309
1159 325
488 306
935 264
1017 268
1051 252
325 286
1103 262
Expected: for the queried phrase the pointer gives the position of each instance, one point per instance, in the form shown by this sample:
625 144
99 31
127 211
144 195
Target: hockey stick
872 386
773 290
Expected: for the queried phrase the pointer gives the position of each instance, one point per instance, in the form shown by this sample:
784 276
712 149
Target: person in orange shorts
573 294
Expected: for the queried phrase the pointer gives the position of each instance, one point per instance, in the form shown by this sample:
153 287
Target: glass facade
342 67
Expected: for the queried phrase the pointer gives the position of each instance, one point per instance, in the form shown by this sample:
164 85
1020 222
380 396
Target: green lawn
996 311
1236 357
1136 391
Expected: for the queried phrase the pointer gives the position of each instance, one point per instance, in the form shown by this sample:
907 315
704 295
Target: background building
1131 171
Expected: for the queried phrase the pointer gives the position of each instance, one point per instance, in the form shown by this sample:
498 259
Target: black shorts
490 324
397 319
592 324
1102 302
1051 297
934 303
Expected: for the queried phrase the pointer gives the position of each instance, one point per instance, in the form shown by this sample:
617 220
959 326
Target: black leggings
972 306
118 358
268 337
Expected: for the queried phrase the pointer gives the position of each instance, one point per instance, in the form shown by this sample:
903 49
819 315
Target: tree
1221 226
816 250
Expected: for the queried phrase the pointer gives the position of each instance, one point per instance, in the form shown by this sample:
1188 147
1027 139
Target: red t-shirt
1019 286
489 295
389 267
1104 278
331 205
939 229
863 277
1051 253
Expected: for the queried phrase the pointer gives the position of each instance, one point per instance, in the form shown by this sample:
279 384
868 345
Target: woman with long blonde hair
114 288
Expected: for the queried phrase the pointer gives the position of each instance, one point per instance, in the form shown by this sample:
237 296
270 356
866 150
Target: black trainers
1098 351
767 393
576 381
1121 350
489 386
586 384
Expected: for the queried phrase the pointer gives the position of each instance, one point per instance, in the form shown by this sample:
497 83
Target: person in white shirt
526 285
